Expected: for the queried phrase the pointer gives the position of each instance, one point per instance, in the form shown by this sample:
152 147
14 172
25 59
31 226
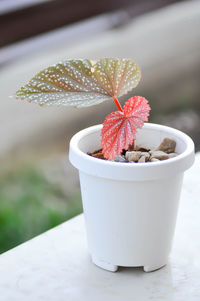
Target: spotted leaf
119 128
81 82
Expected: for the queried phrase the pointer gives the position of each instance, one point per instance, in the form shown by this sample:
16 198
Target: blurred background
38 187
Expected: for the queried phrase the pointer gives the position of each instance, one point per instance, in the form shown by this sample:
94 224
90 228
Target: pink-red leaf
119 128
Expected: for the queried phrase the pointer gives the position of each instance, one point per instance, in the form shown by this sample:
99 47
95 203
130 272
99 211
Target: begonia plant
84 82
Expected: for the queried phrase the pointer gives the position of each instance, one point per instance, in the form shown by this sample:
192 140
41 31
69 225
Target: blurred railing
43 16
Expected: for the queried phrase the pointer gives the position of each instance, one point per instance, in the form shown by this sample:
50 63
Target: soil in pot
139 154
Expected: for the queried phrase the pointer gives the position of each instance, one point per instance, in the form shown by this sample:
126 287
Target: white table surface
56 266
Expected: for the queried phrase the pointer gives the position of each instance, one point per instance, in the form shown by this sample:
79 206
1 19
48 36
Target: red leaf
119 128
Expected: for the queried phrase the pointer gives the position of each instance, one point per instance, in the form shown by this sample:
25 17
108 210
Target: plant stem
117 104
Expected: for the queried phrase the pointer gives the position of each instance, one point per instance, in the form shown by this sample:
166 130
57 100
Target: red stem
117 104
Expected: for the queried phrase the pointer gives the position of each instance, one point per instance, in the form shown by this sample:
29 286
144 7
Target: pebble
154 160
172 155
133 156
160 155
146 155
142 159
120 158
141 149
167 145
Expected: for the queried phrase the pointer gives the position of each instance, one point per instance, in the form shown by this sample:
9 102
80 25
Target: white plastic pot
130 209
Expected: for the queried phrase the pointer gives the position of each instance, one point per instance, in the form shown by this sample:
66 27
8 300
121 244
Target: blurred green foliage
30 205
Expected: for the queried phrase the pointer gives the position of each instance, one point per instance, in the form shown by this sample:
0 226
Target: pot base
152 268
113 268
104 265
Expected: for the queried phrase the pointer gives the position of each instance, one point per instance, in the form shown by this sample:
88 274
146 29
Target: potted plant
130 206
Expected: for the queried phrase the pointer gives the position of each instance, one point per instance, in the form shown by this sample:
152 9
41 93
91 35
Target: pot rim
130 171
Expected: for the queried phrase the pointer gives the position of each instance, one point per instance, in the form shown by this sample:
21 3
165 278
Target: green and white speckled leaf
81 83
